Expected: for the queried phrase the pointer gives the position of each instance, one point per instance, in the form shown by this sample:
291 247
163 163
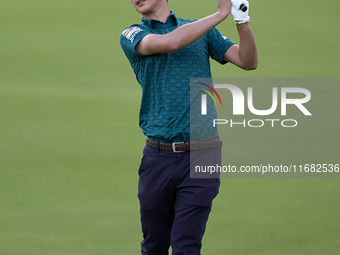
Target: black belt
207 143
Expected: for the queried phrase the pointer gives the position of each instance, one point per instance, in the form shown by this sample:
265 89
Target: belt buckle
174 147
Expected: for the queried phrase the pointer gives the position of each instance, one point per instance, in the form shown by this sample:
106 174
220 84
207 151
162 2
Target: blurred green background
70 144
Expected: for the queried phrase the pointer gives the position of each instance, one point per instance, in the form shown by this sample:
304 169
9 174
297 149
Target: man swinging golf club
165 52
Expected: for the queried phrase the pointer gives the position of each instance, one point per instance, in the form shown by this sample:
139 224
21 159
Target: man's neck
161 14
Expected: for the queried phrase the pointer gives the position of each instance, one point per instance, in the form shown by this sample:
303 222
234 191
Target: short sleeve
130 37
218 45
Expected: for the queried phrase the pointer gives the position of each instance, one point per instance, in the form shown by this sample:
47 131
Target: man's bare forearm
190 33
247 50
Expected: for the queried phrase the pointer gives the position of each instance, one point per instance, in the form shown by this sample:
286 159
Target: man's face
147 6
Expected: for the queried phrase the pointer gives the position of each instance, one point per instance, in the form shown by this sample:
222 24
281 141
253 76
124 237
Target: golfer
165 52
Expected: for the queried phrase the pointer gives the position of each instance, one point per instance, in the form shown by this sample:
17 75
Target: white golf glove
240 17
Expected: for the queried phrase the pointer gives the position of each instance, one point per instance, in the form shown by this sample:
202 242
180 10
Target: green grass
70 144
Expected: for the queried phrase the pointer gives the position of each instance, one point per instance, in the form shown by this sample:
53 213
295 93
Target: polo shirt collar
171 20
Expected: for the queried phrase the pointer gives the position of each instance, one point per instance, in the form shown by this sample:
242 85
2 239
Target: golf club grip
243 7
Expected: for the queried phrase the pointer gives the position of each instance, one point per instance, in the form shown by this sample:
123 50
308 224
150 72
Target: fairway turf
70 144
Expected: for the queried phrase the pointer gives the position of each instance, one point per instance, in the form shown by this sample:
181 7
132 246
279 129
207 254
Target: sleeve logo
131 33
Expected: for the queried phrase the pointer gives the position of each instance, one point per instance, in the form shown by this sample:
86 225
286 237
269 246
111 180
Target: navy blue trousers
174 208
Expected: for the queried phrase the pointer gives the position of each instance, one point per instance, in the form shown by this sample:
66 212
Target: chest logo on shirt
131 33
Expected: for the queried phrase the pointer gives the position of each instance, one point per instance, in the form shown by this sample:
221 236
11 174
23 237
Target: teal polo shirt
165 79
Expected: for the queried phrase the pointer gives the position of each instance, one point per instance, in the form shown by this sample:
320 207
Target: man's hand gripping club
240 10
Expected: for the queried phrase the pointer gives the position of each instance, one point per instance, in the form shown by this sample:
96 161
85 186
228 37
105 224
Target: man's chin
144 12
